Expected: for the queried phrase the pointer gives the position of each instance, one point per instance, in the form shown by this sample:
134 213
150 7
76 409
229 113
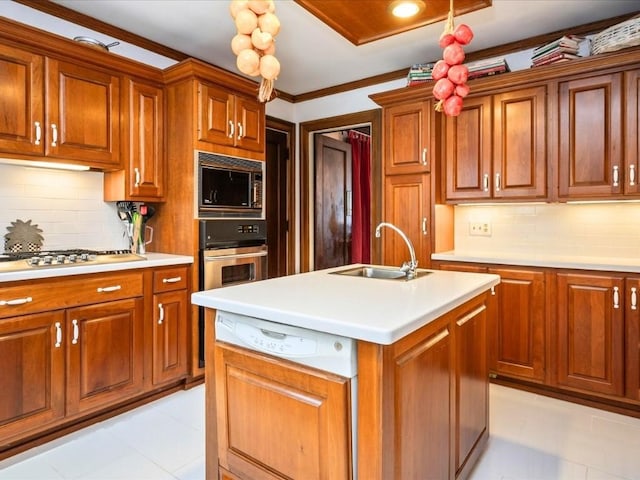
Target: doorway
309 204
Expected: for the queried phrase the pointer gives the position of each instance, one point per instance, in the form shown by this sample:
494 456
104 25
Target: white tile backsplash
597 229
66 205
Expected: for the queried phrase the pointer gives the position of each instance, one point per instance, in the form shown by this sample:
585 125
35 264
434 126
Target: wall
593 229
66 206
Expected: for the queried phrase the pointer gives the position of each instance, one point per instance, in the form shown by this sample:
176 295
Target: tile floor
532 438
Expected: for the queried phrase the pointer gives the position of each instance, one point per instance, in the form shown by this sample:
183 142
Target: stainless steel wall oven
231 252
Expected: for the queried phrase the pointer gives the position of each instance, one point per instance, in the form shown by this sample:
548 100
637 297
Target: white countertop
375 310
612 264
151 260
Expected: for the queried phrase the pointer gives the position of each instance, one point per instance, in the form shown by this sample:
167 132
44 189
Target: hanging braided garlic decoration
254 44
449 73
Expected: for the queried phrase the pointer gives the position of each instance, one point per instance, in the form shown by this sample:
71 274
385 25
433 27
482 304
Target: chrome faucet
408 267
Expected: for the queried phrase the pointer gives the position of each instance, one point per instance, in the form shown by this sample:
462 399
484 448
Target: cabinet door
250 124
169 336
21 101
519 144
83 108
32 379
591 333
275 414
407 136
104 354
216 118
468 151
590 137
472 385
517 325
632 137
407 205
632 330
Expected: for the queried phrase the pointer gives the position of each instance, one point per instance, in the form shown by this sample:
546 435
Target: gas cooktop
16 261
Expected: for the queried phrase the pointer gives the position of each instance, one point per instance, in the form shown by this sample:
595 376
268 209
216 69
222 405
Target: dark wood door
169 336
21 101
333 215
250 127
590 136
632 331
590 337
407 138
517 324
277 201
216 122
519 144
468 162
632 137
83 110
104 354
32 381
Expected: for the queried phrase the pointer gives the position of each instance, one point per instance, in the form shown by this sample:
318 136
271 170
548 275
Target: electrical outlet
480 229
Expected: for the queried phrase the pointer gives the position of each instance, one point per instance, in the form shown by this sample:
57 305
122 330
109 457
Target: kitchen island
418 407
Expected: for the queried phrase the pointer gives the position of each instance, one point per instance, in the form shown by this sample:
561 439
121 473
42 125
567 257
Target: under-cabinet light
40 164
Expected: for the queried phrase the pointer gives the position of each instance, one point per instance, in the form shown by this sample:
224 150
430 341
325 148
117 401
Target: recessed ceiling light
406 8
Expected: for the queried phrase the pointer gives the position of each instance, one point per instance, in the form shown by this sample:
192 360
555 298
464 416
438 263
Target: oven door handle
214 258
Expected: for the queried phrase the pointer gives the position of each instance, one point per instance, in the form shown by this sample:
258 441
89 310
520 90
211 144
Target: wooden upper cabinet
142 177
21 101
590 137
229 120
590 336
407 138
519 144
631 174
468 152
83 114
496 148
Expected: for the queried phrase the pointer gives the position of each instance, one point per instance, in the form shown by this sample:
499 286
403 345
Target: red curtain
361 197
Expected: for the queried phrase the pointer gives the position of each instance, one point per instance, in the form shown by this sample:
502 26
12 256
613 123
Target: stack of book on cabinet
419 73
482 68
560 50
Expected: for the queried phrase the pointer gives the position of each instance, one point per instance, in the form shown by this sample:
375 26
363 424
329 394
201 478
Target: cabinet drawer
55 293
169 279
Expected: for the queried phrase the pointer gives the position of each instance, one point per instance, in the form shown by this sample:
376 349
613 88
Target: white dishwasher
327 352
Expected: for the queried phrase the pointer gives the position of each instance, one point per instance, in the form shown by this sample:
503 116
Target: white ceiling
313 56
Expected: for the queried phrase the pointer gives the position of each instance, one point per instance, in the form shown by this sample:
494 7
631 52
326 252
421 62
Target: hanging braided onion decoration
254 43
449 73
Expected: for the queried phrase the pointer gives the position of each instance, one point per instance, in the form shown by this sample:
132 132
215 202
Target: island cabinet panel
590 137
32 379
590 337
407 138
517 324
278 420
407 205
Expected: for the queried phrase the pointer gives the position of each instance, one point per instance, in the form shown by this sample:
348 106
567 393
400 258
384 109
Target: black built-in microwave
229 186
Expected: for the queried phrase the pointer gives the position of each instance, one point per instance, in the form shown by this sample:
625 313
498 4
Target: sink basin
389 273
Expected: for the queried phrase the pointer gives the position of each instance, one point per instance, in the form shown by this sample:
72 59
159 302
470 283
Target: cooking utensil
92 42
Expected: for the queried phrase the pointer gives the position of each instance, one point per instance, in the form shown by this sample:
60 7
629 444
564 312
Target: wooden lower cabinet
632 330
170 355
279 420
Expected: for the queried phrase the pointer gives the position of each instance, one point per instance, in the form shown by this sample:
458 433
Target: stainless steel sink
389 273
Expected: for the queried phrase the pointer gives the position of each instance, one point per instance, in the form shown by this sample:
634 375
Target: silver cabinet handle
497 182
349 202
485 182
240 131
471 315
634 298
231 129
616 298
493 290
112 288
161 316
615 176
171 280
54 138
424 225
424 156
38 132
16 301
76 331
136 171
632 175
58 335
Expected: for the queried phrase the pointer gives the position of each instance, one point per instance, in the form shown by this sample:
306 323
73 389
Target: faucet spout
411 266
